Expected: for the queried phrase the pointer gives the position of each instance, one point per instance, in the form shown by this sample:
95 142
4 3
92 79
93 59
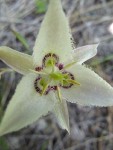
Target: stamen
59 94
36 72
69 65
73 82
45 89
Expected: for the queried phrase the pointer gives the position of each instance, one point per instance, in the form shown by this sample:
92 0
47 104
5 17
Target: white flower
52 76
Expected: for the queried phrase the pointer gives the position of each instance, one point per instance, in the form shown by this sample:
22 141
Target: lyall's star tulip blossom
53 75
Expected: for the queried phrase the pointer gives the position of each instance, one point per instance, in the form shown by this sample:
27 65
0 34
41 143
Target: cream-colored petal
84 53
93 90
18 61
26 106
54 35
61 113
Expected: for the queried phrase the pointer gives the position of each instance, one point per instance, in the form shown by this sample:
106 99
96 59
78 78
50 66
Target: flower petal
93 90
26 106
84 53
54 35
61 112
20 62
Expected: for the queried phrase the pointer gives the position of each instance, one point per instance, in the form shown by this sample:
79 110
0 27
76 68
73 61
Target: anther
59 94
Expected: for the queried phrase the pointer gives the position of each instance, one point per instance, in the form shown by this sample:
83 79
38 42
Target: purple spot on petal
60 66
38 69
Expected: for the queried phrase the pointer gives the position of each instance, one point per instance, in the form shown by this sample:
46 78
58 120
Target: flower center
52 76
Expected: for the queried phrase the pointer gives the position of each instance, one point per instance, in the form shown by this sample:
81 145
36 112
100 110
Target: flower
53 75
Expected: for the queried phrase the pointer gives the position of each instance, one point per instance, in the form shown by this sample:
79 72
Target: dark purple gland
60 66
69 76
50 59
38 69
54 88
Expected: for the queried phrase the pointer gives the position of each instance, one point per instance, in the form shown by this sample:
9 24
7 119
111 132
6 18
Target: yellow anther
37 72
44 89
73 82
69 65
59 94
